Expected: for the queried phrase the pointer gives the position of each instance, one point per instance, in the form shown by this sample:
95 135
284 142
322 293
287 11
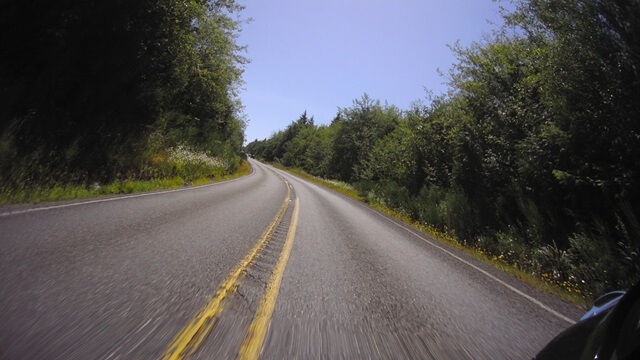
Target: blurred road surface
132 276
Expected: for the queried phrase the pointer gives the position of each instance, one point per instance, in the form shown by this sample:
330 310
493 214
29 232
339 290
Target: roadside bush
592 263
448 210
552 261
392 195
462 217
365 189
429 203
513 249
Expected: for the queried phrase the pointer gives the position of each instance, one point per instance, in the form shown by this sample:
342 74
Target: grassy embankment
172 170
565 291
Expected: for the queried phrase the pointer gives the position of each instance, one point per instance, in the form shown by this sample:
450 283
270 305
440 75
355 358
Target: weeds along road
267 266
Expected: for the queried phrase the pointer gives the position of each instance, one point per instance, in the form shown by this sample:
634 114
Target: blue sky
321 55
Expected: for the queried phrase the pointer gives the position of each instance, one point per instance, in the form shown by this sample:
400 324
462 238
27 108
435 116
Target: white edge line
533 300
162 192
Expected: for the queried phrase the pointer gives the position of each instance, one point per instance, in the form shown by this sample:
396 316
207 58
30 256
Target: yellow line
257 332
190 338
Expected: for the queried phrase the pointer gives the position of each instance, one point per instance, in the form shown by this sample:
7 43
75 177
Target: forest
102 91
532 155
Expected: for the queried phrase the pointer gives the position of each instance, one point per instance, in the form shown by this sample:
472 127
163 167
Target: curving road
268 262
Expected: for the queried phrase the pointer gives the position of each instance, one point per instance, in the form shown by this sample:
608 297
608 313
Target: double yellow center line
186 343
258 330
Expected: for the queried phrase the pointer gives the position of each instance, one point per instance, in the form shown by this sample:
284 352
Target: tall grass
172 168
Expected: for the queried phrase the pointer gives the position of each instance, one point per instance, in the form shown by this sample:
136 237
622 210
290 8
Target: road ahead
267 265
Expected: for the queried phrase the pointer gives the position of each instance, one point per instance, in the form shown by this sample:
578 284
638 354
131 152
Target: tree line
97 90
533 154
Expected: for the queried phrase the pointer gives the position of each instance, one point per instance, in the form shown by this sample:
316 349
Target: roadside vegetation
118 96
532 159
196 169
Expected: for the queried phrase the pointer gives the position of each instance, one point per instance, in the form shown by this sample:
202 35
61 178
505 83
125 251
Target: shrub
392 195
462 217
429 204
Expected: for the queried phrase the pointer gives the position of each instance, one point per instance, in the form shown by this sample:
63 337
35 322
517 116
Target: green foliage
393 157
358 129
88 84
430 206
174 168
386 193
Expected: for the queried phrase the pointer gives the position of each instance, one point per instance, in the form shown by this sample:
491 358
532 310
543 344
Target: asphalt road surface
268 265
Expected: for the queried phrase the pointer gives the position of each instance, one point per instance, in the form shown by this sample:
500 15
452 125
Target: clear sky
321 55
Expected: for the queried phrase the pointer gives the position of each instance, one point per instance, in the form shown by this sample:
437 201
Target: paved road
134 276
